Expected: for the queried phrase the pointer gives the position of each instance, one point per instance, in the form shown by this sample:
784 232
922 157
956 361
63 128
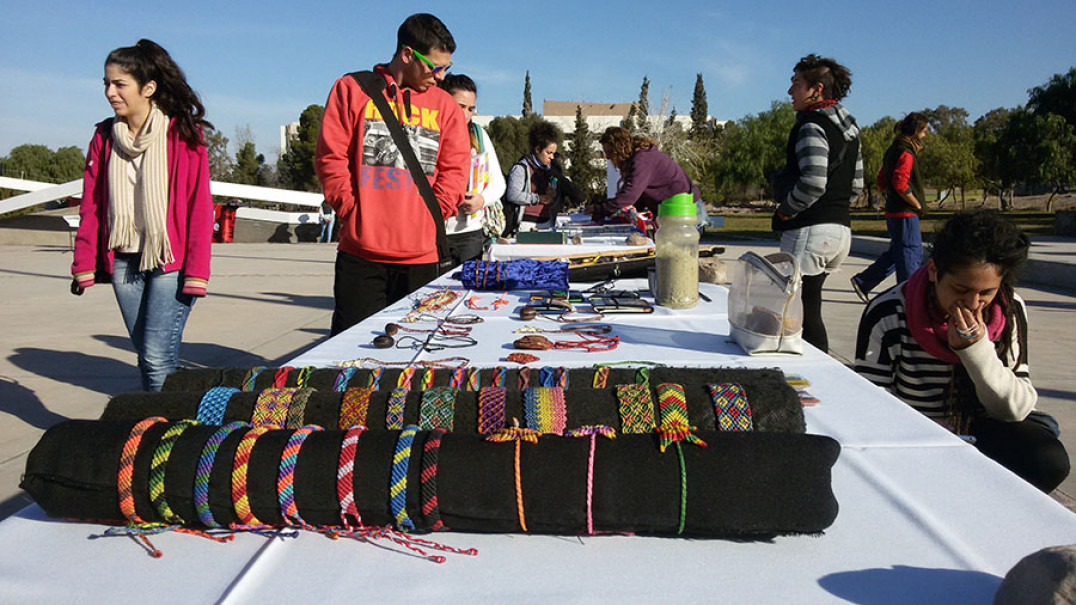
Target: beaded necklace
447 363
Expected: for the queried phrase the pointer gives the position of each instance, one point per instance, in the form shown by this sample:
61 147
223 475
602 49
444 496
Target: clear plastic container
677 253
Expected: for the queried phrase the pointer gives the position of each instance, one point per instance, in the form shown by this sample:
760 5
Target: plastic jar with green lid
677 251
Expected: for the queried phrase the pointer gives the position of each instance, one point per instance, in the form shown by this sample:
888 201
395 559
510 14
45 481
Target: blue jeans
155 311
904 255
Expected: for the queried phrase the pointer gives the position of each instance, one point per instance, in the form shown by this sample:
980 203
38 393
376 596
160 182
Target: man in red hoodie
388 245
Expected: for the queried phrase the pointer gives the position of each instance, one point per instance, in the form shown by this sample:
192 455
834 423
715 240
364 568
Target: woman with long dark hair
899 179
146 213
952 343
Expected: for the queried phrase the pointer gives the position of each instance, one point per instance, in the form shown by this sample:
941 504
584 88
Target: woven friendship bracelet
205 468
240 467
297 410
458 376
430 451
592 431
213 405
285 481
304 376
675 425
126 471
636 408
491 402
544 409
157 470
252 377
427 379
517 435
601 377
474 380
345 477
280 379
499 378
394 412
438 409
354 406
271 408
373 379
523 379
401 464
553 377
731 407
340 384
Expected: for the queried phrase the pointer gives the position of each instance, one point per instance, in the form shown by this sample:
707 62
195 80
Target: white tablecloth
924 518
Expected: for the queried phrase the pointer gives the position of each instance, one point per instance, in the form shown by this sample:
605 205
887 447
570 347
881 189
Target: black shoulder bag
372 85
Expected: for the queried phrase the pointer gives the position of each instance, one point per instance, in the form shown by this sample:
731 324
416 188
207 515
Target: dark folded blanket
775 407
742 485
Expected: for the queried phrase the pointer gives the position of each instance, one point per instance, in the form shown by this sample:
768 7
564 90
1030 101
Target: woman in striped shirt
952 343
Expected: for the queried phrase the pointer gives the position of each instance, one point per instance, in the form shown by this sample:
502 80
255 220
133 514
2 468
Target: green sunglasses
435 69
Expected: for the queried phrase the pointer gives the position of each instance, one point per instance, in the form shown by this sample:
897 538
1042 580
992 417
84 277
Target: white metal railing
40 193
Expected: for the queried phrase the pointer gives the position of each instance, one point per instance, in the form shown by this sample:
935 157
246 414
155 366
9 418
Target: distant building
288 133
598 116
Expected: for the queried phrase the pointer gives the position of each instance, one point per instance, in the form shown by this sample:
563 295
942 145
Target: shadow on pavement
98 374
22 403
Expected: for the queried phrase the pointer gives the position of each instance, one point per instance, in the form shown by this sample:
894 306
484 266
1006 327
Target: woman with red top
146 213
899 179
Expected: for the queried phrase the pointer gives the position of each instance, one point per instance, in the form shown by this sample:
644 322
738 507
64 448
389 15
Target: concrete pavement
63 356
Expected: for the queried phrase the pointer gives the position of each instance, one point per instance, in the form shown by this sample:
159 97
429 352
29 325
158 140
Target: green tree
948 157
528 107
248 165
509 137
629 120
642 108
31 162
873 141
220 162
993 158
700 126
1058 96
295 169
582 170
68 164
754 148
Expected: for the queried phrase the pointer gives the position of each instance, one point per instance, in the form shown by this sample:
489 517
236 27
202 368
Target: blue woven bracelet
401 464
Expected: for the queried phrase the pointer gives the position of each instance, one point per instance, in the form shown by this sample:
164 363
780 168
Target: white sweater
888 355
486 170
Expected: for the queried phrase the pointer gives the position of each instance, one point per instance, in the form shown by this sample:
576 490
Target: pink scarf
929 327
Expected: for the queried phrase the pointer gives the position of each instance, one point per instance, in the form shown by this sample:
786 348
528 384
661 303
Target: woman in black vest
823 173
899 179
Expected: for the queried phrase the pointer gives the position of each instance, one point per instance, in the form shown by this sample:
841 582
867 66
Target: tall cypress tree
642 111
581 171
528 109
699 111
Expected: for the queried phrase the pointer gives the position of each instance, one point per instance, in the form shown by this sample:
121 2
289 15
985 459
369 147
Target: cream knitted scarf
152 184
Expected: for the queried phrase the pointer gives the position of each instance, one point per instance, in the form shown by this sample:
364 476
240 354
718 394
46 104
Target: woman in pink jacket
146 213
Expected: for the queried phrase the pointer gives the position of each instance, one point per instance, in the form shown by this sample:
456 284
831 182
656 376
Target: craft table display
592 244
924 517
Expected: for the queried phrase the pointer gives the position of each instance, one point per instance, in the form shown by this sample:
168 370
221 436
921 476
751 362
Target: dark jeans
1029 448
466 246
362 288
904 255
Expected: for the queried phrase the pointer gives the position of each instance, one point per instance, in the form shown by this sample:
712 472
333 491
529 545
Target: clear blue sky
260 63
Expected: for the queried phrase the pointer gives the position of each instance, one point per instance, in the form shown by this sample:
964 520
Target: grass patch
872 223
